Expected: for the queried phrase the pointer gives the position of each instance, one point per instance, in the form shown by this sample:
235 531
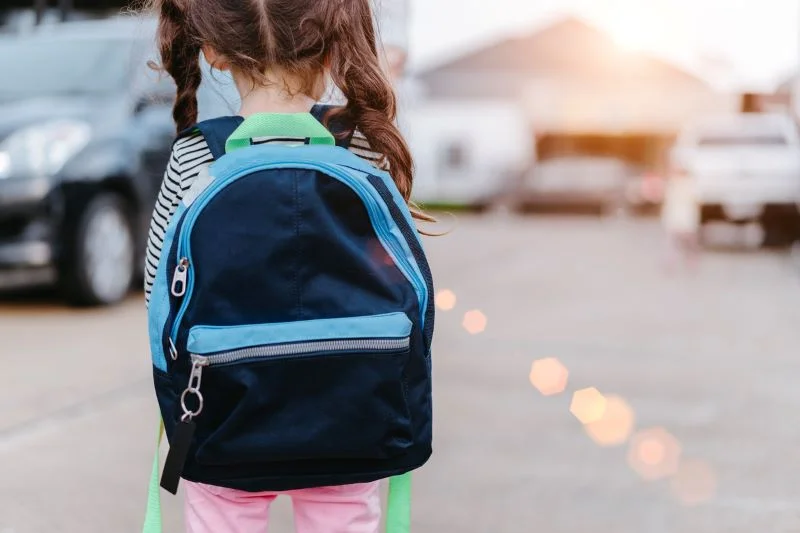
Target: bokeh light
474 322
694 483
445 300
588 405
615 425
654 454
549 376
378 253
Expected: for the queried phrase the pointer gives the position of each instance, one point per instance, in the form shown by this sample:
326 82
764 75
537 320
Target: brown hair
303 39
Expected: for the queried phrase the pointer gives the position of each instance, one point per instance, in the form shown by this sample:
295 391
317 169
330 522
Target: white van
467 153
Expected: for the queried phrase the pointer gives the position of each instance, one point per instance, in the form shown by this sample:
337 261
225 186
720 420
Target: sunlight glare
588 405
654 454
549 376
474 322
616 424
445 300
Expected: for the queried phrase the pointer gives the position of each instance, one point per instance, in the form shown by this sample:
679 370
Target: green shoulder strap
152 517
398 506
283 125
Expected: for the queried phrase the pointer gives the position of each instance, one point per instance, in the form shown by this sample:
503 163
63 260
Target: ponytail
371 104
180 58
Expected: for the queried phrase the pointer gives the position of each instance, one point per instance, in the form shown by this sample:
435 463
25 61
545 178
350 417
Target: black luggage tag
176 457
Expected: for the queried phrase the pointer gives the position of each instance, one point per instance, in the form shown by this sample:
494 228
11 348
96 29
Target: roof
569 46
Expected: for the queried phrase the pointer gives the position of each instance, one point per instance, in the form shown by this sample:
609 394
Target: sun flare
630 34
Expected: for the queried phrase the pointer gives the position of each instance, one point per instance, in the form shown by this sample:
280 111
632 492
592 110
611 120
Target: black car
85 134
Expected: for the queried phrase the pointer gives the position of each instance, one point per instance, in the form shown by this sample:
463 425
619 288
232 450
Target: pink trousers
344 509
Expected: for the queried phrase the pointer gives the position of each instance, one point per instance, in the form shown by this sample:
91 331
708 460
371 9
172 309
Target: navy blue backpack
291 318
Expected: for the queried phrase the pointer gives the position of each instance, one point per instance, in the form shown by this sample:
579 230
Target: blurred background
618 289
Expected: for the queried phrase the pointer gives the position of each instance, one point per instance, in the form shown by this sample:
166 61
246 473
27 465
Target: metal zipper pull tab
173 350
193 388
181 441
179 278
196 376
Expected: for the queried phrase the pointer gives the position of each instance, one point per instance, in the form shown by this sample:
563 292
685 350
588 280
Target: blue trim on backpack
333 161
158 311
205 340
331 155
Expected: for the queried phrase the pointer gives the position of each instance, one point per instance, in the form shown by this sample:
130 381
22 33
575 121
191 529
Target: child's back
290 303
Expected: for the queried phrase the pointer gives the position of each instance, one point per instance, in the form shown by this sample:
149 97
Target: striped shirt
189 156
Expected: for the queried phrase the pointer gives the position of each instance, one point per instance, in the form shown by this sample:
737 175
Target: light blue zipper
367 195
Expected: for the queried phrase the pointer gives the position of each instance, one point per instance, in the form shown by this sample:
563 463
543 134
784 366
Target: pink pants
344 509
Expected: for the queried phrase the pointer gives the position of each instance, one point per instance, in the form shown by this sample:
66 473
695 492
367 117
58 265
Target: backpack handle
279 125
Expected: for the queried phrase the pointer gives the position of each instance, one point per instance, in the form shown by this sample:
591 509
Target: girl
280 54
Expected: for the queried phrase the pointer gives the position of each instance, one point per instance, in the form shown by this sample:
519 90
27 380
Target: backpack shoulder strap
215 131
342 132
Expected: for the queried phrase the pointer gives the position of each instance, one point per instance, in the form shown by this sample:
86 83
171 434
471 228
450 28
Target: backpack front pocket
319 389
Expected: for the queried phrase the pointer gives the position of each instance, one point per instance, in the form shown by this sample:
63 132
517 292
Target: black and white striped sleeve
359 145
189 155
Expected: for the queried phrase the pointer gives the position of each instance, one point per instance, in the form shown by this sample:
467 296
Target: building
581 91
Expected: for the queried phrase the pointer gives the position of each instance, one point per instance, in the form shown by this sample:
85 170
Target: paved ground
711 359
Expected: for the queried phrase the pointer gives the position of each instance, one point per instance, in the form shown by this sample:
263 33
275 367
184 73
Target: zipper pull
181 441
179 278
195 377
173 350
193 389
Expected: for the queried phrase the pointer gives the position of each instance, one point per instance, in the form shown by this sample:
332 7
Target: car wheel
99 266
778 234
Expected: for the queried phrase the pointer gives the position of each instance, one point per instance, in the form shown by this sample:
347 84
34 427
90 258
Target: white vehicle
466 153
745 168
575 182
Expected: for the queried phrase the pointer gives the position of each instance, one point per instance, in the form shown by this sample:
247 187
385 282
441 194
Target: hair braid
180 58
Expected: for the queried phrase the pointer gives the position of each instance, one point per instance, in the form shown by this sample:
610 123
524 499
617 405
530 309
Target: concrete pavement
710 358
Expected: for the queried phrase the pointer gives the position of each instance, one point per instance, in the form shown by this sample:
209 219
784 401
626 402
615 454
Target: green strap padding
152 517
398 507
290 125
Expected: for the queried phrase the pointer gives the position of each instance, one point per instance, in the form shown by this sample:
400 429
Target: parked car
584 183
85 135
746 168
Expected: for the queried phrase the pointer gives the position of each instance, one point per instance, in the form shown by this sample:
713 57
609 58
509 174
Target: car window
34 67
740 130
776 139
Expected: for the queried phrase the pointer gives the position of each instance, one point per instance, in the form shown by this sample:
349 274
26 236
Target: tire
778 234
98 259
780 225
